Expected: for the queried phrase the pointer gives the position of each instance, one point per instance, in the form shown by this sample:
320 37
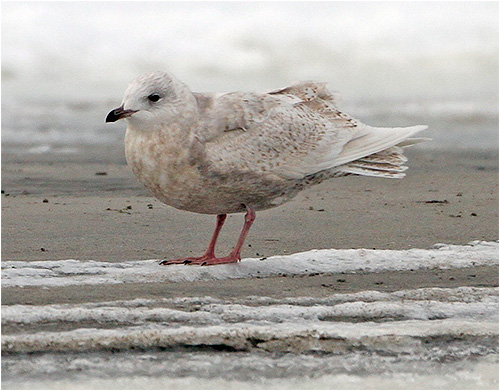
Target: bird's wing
292 132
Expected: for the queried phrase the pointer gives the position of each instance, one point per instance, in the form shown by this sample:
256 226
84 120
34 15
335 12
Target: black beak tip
113 116
119 113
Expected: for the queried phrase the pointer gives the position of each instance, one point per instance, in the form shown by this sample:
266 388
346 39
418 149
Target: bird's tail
378 152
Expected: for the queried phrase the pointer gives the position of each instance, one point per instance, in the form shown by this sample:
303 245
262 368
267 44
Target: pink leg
209 254
209 257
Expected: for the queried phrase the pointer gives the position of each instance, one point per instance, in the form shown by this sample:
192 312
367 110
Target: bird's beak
119 113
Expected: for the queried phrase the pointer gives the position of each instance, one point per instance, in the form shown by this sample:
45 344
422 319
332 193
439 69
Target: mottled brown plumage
239 151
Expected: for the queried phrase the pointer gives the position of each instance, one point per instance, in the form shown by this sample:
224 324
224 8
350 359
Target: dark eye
154 97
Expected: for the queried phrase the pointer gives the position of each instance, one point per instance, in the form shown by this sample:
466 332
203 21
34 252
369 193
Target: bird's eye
154 97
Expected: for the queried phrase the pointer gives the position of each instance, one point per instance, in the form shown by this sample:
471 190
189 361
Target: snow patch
76 272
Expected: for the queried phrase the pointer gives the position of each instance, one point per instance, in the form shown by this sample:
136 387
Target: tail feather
393 156
378 166
387 163
374 140
378 152
349 169
412 141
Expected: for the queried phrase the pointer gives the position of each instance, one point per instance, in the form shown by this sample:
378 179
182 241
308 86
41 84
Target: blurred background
65 65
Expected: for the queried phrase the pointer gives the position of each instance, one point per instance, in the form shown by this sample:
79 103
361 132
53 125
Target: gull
239 152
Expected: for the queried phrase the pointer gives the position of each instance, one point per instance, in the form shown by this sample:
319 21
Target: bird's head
153 98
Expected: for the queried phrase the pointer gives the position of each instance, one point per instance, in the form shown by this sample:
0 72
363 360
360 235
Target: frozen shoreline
76 272
402 339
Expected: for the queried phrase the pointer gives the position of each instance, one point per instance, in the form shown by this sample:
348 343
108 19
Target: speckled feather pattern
217 153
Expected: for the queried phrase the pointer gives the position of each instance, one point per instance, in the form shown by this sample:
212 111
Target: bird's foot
202 261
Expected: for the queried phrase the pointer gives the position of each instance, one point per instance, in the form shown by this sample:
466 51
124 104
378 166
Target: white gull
242 151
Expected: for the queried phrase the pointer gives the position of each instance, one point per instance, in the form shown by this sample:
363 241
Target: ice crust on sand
88 272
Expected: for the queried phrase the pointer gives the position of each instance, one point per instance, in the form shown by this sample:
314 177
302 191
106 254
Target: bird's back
296 132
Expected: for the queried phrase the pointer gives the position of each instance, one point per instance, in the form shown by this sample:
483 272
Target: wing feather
295 132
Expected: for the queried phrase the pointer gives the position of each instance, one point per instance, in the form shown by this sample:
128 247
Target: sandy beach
89 206
144 334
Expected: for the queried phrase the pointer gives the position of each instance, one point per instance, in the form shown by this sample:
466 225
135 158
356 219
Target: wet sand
89 206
